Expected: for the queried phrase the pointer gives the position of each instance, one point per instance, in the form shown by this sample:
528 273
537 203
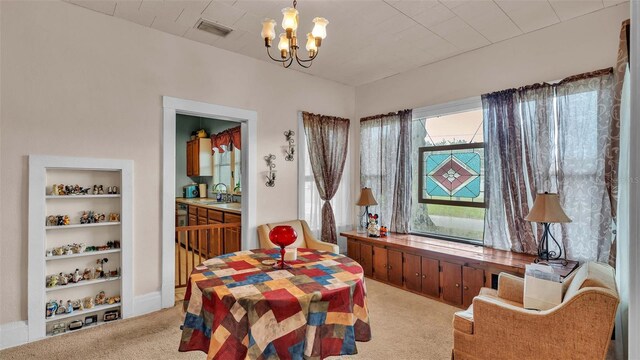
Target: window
223 172
448 173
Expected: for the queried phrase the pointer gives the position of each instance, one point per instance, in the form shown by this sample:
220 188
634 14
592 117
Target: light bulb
283 45
268 29
311 44
320 28
290 19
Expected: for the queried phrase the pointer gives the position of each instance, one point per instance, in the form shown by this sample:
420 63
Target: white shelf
82 312
86 253
99 323
73 226
82 196
81 283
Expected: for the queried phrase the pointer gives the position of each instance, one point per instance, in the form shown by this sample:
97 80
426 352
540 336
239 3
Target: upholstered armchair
305 237
496 326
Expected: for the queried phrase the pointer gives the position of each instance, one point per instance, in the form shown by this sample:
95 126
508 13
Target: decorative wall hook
271 175
291 147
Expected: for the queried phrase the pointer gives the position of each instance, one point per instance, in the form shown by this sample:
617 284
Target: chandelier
288 44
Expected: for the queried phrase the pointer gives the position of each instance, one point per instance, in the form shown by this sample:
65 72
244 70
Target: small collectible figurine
100 267
52 220
95 189
54 190
52 281
66 220
76 276
116 244
51 308
114 217
77 305
116 190
84 218
88 274
78 248
383 231
373 229
61 190
68 251
100 190
49 253
88 302
101 298
69 307
61 309
63 279
59 250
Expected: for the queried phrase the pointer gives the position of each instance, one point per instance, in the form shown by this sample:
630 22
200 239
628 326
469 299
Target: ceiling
366 40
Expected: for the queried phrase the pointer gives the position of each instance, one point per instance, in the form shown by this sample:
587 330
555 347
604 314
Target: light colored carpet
404 326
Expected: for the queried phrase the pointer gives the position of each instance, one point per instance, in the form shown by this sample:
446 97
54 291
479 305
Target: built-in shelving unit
44 171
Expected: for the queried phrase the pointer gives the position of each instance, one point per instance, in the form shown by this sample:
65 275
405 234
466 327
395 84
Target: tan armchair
497 326
305 237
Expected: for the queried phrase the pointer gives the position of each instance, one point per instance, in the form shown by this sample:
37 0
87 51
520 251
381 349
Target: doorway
174 109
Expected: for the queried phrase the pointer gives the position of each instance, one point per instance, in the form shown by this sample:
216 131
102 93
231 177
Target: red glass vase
283 236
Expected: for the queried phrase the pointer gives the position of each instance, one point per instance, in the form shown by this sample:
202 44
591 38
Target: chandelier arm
274 59
309 59
300 62
290 62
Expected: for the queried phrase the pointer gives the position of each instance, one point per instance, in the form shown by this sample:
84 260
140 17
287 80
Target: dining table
239 306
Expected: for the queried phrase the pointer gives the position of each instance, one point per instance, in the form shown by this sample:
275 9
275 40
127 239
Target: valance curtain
551 137
327 143
228 138
385 166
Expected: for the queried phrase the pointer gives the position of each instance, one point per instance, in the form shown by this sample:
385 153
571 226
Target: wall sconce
291 148
271 175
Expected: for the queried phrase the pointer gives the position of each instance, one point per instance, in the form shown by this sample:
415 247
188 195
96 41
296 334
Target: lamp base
545 255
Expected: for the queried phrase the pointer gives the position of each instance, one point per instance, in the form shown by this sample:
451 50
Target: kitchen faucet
220 196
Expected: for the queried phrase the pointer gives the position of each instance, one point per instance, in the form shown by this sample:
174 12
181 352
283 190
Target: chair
305 237
496 326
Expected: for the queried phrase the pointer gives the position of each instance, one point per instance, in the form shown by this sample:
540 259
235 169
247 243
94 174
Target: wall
79 83
185 124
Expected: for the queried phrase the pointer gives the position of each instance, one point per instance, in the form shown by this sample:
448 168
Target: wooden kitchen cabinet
412 272
472 282
199 157
353 251
366 259
394 267
232 236
451 283
380 263
430 277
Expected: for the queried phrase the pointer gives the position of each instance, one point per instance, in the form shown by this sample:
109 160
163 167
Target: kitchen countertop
234 208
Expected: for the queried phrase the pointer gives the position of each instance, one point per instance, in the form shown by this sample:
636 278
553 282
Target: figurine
84 218
61 309
51 308
68 251
63 279
100 190
116 190
49 253
114 217
52 220
100 267
88 274
101 298
111 300
383 231
78 248
69 307
116 299
116 244
373 229
52 281
76 276
59 250
77 305
66 220
61 190
54 190
88 302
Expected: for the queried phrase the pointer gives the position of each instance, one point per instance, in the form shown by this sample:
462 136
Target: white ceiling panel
366 39
486 18
569 9
529 15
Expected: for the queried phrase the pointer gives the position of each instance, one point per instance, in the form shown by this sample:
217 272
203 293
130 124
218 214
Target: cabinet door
195 157
231 235
380 263
189 158
472 282
353 250
411 269
193 220
366 259
430 277
451 283
394 265
215 240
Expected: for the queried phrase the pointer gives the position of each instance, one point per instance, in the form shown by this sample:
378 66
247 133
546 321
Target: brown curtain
327 142
611 167
228 138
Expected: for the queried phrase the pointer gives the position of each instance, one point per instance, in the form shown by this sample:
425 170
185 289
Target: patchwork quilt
236 307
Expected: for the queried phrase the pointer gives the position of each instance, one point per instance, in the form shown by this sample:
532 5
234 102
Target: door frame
248 122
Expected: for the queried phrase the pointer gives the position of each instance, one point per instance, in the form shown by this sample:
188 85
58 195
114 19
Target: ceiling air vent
213 28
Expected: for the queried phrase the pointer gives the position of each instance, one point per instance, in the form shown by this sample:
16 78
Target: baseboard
147 303
13 334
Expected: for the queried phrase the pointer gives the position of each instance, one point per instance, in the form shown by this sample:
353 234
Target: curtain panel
327 143
557 138
385 166
228 138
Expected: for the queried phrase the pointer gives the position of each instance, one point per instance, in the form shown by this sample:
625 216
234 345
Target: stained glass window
452 174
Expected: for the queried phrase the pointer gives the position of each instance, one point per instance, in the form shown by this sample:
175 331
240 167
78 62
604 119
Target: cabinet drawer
215 215
193 210
202 212
232 218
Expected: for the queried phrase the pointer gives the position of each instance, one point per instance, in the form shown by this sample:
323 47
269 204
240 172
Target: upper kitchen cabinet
199 157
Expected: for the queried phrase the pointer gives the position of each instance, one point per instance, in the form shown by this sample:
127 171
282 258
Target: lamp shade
320 27
546 209
290 19
268 29
366 198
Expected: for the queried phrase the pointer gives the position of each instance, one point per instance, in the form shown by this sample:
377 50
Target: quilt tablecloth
236 307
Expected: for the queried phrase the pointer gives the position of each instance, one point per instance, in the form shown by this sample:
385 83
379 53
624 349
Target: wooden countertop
234 208
460 251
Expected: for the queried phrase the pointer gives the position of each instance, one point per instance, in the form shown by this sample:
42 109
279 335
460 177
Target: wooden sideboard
449 271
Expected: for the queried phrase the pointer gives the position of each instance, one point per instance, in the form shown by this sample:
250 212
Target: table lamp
366 199
282 235
546 210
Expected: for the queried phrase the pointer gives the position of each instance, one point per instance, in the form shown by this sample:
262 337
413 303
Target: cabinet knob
466 288
424 276
457 285
389 267
417 274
